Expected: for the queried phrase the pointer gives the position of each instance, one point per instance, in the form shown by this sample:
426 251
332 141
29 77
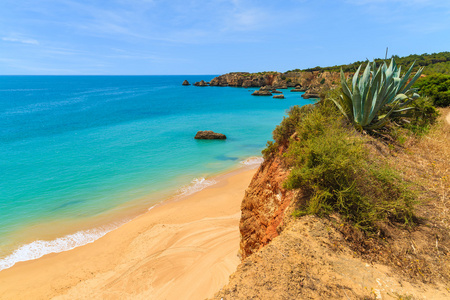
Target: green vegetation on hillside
329 161
435 63
339 168
437 87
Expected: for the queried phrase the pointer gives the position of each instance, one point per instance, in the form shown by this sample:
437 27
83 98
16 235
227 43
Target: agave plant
376 94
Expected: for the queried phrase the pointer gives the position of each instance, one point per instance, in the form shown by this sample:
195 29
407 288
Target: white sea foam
40 248
196 185
253 161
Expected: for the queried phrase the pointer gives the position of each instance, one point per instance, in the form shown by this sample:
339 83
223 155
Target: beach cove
183 249
84 155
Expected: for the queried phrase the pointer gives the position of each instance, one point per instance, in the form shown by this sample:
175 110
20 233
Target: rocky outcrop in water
201 83
281 96
209 135
185 83
261 93
311 93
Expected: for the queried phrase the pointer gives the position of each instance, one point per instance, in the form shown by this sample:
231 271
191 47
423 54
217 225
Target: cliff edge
311 257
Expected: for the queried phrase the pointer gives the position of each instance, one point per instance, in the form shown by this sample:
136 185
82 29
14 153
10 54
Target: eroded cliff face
264 206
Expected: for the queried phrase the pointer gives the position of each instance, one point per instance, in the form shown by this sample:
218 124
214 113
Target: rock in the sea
281 96
186 83
277 92
209 135
265 88
298 90
310 95
262 93
201 83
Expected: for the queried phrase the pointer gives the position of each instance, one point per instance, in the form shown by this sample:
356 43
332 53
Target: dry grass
425 162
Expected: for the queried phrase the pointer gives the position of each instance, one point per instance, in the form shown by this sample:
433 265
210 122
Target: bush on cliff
329 160
437 87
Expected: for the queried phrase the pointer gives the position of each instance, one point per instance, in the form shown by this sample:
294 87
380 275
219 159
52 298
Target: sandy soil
310 260
179 250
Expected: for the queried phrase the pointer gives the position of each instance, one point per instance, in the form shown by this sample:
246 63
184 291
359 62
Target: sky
157 37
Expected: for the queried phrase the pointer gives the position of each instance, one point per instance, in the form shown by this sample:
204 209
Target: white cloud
20 40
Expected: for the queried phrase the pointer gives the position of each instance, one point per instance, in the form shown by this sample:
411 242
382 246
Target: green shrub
286 128
270 150
437 87
420 119
322 81
331 162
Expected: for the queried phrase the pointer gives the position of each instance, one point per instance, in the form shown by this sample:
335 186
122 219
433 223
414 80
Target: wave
253 161
42 106
39 248
196 185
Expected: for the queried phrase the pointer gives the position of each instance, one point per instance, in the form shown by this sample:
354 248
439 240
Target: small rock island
209 135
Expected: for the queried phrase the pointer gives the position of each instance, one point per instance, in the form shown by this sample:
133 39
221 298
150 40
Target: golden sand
184 249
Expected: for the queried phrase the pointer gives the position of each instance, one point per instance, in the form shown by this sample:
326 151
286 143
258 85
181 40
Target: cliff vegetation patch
329 159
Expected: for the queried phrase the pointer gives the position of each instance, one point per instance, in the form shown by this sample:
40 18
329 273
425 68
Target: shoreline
80 233
190 242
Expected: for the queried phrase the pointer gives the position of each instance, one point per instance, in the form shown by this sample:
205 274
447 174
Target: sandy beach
183 249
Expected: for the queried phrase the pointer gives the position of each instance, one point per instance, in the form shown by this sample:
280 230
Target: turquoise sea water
75 148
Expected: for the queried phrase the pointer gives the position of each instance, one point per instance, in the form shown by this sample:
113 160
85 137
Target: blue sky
211 37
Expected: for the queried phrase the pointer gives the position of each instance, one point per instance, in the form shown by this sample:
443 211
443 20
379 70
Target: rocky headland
312 83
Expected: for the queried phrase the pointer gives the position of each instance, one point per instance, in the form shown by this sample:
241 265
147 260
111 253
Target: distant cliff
312 82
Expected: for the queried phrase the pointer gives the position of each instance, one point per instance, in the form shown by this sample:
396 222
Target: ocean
81 155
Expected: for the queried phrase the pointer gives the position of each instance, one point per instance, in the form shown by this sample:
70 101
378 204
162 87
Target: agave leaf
382 121
400 97
355 77
368 105
344 111
364 83
403 109
357 104
413 80
405 77
344 85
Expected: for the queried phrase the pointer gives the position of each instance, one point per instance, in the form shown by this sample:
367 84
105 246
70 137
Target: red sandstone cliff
263 207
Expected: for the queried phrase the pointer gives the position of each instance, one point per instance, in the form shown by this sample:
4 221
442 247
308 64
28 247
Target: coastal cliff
313 82
263 207
313 257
